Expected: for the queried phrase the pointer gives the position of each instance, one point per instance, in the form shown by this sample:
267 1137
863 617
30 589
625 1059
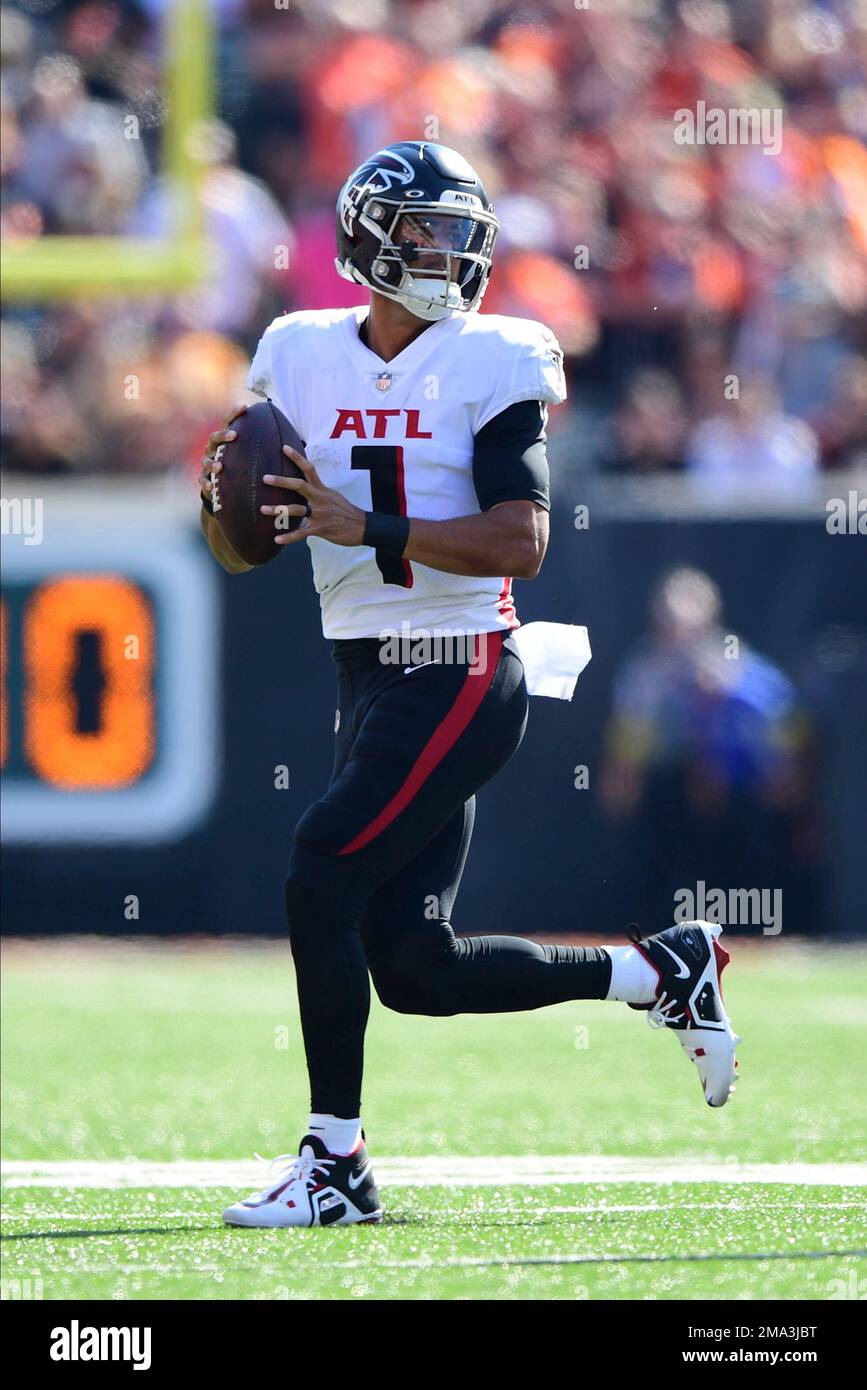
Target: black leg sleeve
333 992
438 973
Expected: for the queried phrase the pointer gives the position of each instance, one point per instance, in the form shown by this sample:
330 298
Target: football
239 492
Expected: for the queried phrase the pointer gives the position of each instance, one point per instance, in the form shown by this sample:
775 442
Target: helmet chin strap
429 299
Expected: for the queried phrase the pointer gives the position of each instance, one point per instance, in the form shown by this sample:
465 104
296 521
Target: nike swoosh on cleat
360 1177
683 971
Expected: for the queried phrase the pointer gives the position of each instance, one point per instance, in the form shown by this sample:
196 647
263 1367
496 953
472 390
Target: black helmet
409 204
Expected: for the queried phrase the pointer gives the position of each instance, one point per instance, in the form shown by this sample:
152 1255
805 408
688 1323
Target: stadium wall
244 687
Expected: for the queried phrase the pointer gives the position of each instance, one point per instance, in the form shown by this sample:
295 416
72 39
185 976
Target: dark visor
437 230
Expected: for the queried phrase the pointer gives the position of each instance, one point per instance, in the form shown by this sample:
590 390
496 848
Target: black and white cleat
313 1188
689 961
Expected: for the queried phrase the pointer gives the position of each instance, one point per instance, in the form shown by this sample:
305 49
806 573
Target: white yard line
436 1170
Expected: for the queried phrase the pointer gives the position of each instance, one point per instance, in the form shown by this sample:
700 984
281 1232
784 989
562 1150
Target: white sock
633 979
338 1136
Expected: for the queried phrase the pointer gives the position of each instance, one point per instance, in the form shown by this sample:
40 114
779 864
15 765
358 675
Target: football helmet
414 223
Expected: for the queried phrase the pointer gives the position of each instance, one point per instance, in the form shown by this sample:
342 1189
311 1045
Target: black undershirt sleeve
510 463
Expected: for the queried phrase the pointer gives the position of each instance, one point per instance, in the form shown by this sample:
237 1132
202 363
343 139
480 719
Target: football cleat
689 962
315 1188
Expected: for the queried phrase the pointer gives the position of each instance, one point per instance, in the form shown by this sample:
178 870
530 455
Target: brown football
239 491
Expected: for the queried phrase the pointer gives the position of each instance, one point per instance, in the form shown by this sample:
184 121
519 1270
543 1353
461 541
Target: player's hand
330 515
210 464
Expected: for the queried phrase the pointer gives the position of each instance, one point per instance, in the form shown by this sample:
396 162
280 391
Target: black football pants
376 863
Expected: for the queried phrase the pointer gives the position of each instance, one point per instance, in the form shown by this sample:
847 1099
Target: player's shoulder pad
517 360
301 338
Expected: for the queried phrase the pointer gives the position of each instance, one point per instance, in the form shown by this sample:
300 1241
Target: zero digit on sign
119 747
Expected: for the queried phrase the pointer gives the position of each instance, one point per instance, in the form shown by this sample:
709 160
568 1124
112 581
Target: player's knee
414 981
405 996
324 894
318 834
317 907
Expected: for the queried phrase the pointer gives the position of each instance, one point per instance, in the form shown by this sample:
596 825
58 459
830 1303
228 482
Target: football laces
215 480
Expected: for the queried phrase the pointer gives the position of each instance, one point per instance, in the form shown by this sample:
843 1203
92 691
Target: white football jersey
398 437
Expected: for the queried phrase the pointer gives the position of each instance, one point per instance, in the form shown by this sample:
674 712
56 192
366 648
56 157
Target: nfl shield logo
383 381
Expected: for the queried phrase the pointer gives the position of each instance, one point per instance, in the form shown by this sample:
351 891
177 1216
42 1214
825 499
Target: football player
425 492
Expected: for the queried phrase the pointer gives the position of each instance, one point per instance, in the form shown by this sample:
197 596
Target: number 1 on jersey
384 462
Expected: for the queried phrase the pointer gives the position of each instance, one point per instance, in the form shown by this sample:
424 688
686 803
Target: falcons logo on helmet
378 175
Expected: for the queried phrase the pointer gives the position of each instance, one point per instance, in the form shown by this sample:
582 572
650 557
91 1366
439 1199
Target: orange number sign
121 748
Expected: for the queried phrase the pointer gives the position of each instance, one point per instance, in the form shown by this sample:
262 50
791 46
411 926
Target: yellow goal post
66 267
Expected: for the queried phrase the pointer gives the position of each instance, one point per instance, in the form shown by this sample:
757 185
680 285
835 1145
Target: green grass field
181 1052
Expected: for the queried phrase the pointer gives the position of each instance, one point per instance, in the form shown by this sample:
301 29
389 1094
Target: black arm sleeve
509 459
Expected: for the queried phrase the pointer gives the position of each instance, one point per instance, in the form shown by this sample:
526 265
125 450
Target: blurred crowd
711 299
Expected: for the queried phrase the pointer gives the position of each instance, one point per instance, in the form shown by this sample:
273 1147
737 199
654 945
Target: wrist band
386 533
207 504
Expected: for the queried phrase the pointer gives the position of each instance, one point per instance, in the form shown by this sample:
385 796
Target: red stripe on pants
441 741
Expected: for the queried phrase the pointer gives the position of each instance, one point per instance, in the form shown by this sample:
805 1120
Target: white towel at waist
554 655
